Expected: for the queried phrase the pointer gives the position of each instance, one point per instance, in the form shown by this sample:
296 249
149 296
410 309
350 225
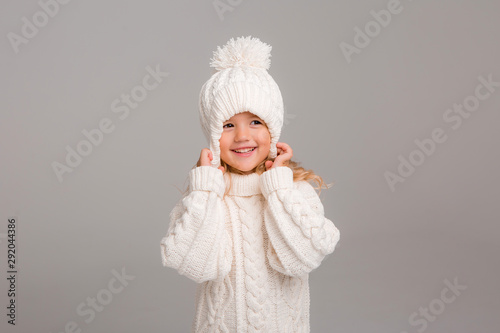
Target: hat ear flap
273 151
215 149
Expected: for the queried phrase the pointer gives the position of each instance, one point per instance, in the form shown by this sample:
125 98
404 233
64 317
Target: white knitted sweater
250 251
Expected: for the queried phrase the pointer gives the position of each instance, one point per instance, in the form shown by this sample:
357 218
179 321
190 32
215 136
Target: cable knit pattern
197 244
298 230
217 297
251 250
311 224
293 290
255 265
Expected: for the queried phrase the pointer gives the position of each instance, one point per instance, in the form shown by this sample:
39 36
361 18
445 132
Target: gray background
347 121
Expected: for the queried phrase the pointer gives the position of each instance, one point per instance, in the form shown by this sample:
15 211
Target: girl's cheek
264 137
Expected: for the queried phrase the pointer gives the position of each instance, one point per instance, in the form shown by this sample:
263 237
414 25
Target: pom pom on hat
240 83
244 51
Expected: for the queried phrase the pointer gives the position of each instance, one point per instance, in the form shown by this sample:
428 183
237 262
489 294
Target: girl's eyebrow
250 118
255 117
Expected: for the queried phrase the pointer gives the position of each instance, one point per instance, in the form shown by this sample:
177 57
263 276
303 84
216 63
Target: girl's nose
242 134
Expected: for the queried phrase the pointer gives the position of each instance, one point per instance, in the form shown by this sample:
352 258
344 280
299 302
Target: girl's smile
244 152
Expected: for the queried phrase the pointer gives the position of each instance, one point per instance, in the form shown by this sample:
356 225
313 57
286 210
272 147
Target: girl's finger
283 146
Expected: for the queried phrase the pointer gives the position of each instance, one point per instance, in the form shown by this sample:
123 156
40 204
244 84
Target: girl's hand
285 154
206 157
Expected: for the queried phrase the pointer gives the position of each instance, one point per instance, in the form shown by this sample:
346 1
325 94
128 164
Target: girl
251 227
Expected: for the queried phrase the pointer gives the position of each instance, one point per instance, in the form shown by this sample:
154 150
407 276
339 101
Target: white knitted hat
240 83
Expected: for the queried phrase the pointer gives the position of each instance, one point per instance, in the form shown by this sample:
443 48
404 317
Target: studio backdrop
396 102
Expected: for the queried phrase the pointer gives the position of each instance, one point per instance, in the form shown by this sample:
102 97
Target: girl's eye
258 122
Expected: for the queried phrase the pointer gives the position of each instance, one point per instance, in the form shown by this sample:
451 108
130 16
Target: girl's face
241 131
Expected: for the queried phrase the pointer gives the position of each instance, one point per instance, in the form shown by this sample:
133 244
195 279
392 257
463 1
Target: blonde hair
299 173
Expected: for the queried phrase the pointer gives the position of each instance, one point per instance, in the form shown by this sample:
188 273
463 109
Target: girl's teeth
244 151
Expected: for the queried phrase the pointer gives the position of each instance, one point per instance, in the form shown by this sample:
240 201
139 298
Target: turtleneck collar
243 185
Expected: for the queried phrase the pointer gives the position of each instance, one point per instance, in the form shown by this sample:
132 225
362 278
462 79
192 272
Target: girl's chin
242 167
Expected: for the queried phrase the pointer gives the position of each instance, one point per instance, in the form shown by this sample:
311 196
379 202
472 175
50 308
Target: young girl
251 227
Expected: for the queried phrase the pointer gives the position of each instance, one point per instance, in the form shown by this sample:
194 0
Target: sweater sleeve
197 243
300 236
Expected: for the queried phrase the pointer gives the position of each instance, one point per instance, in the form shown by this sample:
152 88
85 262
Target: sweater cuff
207 178
275 179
